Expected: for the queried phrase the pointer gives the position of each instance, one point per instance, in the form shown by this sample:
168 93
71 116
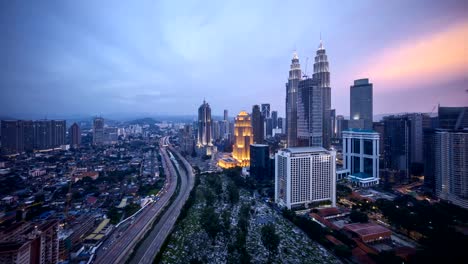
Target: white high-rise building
451 166
361 156
305 175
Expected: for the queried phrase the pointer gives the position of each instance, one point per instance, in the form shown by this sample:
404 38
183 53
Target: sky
166 57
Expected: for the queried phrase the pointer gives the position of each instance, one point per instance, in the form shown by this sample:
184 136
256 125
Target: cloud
434 58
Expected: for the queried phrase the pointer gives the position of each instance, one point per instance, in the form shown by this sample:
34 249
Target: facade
451 166
26 135
243 138
429 158
225 125
260 162
305 175
361 156
453 117
187 143
280 123
397 149
361 112
274 119
25 243
49 134
291 101
257 124
266 110
333 123
98 131
419 122
322 74
268 127
341 125
12 137
310 113
111 135
204 125
75 135
216 130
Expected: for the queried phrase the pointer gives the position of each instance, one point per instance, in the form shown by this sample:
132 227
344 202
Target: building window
356 146
368 147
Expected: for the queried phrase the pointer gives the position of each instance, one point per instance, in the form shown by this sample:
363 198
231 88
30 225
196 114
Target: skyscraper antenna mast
304 75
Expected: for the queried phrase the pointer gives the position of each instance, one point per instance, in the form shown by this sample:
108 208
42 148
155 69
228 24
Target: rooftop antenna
304 74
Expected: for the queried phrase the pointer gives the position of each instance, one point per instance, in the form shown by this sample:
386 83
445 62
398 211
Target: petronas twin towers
308 103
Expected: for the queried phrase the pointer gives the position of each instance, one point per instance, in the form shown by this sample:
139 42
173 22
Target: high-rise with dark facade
75 135
361 105
266 110
333 123
341 125
98 131
397 148
268 127
260 162
280 123
310 113
204 125
26 135
291 101
274 119
12 137
257 124
453 117
322 74
58 133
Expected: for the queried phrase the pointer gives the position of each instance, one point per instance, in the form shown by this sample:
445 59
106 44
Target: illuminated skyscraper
204 125
243 137
291 101
322 74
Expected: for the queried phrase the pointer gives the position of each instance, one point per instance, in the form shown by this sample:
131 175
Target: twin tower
308 104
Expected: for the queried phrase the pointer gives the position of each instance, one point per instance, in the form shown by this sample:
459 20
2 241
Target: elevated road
150 247
118 246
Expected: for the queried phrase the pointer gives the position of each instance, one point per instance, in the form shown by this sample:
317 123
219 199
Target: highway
152 244
118 246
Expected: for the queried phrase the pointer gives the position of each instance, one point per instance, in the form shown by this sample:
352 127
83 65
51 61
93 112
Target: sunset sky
164 57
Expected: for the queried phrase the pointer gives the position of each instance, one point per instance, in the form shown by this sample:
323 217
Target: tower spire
321 42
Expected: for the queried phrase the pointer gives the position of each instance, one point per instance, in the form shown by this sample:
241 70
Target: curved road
152 244
125 240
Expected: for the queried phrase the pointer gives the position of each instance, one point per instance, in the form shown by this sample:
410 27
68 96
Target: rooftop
296 150
259 145
366 229
357 130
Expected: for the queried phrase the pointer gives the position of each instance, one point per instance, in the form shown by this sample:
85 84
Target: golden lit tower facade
243 137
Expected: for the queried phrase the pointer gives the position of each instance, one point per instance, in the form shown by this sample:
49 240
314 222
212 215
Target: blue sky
164 57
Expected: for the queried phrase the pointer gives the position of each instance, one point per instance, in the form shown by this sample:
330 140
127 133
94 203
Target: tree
209 221
358 217
233 192
270 239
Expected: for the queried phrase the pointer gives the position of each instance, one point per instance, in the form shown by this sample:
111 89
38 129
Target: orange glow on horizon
440 56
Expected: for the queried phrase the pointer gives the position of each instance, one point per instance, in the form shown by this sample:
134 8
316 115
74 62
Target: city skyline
88 58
